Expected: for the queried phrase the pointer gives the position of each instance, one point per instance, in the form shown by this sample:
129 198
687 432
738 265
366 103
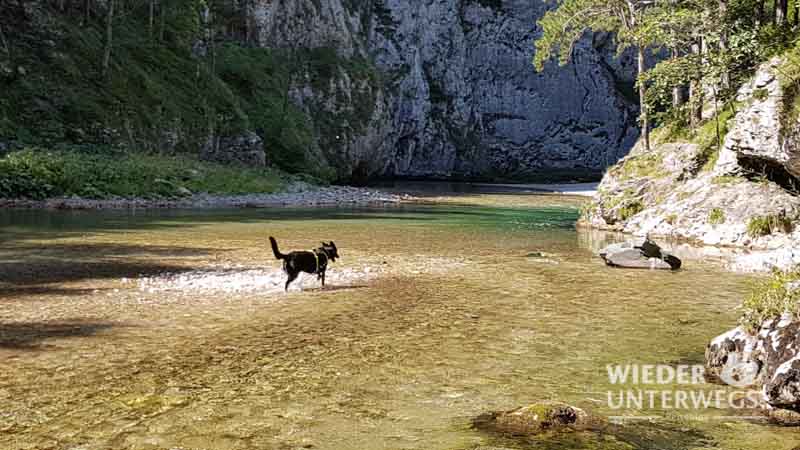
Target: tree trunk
4 42
644 116
696 94
716 118
211 38
678 97
151 18
760 12
725 77
781 9
87 11
248 23
109 37
796 13
244 24
162 13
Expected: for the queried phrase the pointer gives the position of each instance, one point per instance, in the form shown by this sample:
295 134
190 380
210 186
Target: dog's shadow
335 288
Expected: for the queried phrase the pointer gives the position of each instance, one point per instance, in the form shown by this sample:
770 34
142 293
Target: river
170 329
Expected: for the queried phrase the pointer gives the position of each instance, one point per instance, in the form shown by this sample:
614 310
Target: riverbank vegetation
692 55
772 297
39 174
160 76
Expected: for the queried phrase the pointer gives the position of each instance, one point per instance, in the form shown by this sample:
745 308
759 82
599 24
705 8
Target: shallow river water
170 329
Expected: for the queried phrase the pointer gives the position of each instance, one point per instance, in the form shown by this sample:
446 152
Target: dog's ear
333 245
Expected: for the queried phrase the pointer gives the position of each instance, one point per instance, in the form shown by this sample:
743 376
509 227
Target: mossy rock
535 419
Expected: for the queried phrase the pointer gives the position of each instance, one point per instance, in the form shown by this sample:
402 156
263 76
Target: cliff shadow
31 335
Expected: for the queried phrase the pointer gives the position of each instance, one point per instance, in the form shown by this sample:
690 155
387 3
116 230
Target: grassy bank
38 174
770 298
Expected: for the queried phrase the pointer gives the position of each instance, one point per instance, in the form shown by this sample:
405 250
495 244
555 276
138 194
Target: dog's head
330 250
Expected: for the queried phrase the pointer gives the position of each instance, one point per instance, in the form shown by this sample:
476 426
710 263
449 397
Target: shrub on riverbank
772 297
39 174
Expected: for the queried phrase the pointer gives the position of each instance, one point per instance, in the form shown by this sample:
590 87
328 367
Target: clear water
168 329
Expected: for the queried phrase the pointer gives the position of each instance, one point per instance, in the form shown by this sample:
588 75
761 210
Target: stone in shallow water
639 254
533 419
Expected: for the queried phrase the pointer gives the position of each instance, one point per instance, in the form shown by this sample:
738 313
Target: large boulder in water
767 359
534 419
639 254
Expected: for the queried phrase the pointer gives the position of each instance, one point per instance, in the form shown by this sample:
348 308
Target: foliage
716 216
705 136
789 73
711 43
260 79
710 137
770 299
765 225
38 174
661 81
630 209
169 84
643 166
562 27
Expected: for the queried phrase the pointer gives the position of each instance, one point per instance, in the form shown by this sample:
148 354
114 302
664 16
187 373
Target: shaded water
169 329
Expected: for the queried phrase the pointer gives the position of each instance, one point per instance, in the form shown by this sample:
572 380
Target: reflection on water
118 330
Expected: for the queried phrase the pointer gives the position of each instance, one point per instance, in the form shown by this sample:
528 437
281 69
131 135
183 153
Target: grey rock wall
458 93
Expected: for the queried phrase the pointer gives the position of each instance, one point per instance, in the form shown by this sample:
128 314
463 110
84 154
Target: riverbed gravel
319 196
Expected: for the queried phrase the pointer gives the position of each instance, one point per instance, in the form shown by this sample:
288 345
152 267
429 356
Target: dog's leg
322 278
292 277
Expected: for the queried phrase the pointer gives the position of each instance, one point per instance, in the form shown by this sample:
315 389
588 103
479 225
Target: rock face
769 360
246 149
756 140
457 94
639 254
747 197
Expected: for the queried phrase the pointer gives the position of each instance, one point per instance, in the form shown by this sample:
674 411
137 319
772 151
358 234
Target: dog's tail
274 243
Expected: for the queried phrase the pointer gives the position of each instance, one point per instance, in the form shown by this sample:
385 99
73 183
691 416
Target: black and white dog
313 262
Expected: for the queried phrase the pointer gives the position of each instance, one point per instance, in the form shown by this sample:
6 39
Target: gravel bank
325 196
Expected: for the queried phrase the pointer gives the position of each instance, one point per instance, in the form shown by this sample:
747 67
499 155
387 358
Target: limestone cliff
457 94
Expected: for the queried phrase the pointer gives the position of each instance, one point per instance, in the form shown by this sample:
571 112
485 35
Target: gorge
385 88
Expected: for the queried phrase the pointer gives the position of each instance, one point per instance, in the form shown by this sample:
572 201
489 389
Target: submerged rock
639 254
534 419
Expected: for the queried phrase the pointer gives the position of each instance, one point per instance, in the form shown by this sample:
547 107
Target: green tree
563 26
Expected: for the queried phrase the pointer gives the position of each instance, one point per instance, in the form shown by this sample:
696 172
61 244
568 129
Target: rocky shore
294 196
765 360
742 194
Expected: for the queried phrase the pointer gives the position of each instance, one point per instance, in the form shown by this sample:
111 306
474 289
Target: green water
434 315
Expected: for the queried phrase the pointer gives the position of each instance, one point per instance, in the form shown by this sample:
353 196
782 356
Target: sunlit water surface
170 329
